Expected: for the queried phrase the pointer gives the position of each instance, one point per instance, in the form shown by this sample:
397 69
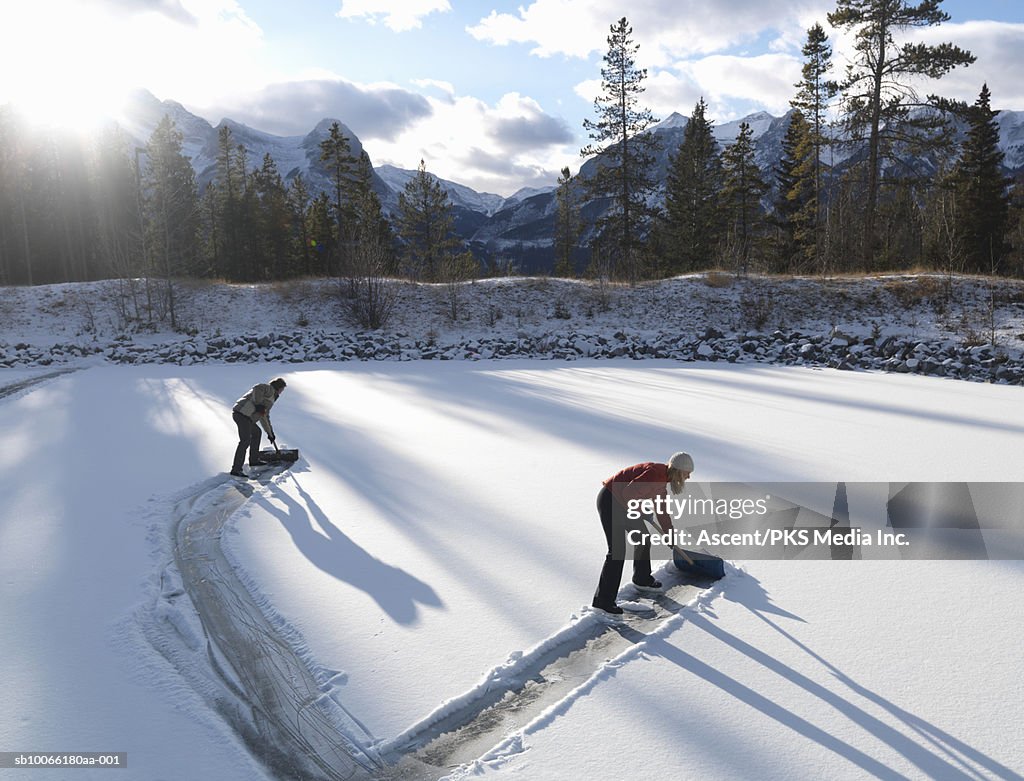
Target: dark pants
249 437
616 525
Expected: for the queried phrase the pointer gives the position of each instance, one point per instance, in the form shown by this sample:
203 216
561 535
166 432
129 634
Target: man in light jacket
249 413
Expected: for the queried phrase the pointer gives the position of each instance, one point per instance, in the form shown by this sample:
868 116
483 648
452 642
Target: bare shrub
371 294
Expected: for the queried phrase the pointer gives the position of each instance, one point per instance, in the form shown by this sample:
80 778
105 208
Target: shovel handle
676 549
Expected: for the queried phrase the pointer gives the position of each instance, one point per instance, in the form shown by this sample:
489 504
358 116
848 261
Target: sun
59 66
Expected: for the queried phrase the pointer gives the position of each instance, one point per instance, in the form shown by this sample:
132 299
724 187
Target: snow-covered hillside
958 327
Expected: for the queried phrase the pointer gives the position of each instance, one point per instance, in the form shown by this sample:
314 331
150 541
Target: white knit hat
681 461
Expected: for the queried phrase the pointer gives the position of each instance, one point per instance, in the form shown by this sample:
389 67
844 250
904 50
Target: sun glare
59 67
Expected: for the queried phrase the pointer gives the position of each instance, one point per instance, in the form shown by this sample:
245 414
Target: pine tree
370 225
742 190
623 172
336 154
878 91
247 216
272 222
566 226
172 209
814 96
321 233
372 293
228 228
692 219
116 206
982 190
796 212
298 201
425 225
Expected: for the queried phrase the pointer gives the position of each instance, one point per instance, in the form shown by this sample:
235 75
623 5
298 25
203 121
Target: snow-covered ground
441 524
923 306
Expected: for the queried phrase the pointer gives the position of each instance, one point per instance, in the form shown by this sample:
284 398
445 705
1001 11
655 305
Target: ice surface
442 521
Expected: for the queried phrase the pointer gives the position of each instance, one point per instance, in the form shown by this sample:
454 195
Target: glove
272 438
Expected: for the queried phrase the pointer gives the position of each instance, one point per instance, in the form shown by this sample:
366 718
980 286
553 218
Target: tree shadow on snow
397 592
942 755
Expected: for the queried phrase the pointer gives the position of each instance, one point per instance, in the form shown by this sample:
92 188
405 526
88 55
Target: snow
439 532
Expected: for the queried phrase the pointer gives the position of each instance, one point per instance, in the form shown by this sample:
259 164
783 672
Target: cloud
399 15
375 111
766 81
731 85
446 88
519 124
496 147
496 171
171 9
665 29
998 47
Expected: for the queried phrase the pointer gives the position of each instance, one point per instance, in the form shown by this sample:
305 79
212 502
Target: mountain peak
673 120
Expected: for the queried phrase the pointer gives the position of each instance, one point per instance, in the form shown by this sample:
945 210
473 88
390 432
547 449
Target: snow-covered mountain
520 226
459 194
293 155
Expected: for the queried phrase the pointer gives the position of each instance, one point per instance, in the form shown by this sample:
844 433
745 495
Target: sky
490 94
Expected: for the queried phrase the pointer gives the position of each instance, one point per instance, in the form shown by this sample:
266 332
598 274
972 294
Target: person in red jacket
648 480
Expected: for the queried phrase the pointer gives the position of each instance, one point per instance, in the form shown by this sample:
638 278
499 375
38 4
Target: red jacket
641 481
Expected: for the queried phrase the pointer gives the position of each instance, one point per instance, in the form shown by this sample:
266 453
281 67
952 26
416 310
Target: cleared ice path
286 718
280 710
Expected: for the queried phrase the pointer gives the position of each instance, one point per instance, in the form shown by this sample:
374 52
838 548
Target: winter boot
648 585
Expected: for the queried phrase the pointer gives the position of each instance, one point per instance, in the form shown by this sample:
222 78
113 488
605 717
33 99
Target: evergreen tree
298 201
247 216
227 220
814 96
369 222
172 209
742 190
425 225
116 206
1014 262
623 173
796 212
566 226
336 154
321 233
372 293
272 222
982 190
878 91
211 244
692 219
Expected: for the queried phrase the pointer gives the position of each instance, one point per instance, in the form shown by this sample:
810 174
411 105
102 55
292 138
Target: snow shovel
694 563
279 456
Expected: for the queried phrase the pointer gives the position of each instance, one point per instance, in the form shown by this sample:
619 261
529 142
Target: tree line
74 209
908 196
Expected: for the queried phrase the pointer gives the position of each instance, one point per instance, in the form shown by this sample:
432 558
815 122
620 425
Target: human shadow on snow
397 592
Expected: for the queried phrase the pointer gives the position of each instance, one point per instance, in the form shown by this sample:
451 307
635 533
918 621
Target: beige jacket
260 395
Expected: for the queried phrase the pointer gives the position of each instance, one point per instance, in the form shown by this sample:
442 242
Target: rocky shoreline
941 358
